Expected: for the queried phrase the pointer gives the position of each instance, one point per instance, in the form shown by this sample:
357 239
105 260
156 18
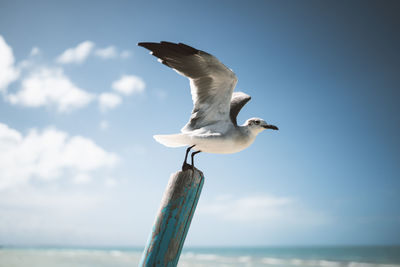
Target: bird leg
194 153
186 166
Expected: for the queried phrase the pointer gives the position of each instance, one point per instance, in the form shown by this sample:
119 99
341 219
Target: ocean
354 256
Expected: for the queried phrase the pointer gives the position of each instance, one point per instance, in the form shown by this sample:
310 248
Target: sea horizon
195 256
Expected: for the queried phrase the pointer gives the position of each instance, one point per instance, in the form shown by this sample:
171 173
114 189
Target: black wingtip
167 43
162 46
188 48
145 44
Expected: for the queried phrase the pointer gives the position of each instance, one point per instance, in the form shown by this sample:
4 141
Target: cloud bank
129 84
44 86
77 54
82 51
109 101
8 72
50 87
48 154
106 53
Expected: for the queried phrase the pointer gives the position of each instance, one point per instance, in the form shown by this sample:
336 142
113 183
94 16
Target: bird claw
186 167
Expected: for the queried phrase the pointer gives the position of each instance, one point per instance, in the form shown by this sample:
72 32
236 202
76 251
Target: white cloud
47 155
82 51
126 54
109 101
112 52
35 51
8 72
82 178
110 182
129 84
262 209
77 54
106 53
50 87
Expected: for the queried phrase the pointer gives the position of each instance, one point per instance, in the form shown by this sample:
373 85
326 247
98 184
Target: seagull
213 126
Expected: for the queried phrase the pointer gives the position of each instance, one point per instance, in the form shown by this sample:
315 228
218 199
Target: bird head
257 125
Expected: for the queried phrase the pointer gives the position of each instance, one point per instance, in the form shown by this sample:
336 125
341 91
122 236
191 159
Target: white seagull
212 126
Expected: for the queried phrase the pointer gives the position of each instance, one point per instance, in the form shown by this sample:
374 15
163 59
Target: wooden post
173 219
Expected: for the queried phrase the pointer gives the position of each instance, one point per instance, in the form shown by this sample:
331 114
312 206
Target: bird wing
211 82
238 100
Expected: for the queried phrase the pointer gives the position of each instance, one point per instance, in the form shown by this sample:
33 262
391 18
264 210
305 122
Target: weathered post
173 219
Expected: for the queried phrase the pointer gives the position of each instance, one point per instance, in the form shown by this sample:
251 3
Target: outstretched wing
239 99
211 82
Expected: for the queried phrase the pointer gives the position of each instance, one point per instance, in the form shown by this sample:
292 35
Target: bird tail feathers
172 140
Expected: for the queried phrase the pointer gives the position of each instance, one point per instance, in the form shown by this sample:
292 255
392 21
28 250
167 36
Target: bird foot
186 167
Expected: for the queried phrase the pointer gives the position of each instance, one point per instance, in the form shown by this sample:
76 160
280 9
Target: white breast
223 144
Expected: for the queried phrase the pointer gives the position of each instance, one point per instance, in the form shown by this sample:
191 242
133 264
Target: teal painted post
173 219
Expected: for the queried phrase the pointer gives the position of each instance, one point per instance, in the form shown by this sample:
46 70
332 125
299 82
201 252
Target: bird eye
257 122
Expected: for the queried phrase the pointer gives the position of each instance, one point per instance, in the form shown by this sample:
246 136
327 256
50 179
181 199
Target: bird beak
269 126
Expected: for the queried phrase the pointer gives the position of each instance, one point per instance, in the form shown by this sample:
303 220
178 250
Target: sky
80 102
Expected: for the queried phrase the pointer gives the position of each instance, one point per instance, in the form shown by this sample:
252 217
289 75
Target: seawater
355 256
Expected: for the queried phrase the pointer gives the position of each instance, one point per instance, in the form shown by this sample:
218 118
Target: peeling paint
173 219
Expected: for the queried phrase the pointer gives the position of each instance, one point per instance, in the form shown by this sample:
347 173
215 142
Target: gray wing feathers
211 82
239 99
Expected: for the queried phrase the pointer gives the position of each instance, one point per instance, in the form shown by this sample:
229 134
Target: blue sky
80 103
